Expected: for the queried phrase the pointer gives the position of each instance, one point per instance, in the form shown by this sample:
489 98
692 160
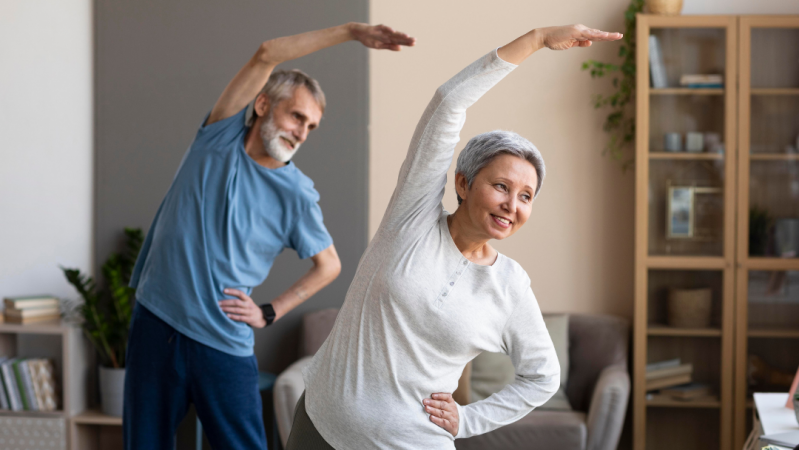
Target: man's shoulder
302 185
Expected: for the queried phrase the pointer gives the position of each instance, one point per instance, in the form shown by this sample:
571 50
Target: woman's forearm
521 48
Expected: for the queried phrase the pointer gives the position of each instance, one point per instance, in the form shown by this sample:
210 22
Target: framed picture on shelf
680 213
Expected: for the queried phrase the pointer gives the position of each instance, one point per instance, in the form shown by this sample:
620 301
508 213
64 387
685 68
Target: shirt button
445 294
465 262
451 283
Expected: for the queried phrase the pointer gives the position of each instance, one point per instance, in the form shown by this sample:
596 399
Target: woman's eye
526 198
501 187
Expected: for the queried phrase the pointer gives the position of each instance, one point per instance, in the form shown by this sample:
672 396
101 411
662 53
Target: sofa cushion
540 429
493 371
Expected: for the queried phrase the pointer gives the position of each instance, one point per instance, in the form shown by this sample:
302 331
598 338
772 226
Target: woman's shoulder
511 269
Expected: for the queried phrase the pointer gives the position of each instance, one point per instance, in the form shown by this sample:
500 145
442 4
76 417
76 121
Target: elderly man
236 202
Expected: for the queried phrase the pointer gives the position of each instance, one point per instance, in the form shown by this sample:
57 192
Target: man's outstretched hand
566 37
380 37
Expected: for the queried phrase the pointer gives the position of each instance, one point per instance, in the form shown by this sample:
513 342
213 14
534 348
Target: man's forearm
282 49
312 282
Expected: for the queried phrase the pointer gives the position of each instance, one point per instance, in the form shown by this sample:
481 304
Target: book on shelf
657 68
14 315
27 384
37 301
4 403
663 364
660 383
43 381
690 391
701 80
682 369
10 383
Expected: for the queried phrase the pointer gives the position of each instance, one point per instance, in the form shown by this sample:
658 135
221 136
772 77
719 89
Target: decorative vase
689 308
112 390
664 7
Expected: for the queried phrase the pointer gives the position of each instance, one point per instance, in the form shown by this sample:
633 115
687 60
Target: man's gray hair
483 148
281 86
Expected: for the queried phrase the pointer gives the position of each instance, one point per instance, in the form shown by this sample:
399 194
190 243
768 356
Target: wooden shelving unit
767 320
690 44
755 297
66 346
93 430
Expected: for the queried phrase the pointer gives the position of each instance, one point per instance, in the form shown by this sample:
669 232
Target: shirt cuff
495 54
461 423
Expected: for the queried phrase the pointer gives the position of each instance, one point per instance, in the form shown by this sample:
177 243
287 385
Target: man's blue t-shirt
222 223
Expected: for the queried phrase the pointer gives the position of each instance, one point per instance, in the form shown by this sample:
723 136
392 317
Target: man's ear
262 105
461 185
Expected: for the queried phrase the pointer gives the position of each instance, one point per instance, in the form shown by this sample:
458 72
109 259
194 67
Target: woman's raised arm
422 179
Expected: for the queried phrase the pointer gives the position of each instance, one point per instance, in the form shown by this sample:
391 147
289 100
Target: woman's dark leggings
303 434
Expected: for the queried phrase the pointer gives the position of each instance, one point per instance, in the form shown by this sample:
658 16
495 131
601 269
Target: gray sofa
598 389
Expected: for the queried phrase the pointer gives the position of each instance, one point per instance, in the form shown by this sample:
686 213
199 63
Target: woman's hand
380 37
566 37
555 38
242 309
443 412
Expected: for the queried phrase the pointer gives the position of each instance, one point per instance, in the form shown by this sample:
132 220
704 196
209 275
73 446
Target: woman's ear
461 185
261 105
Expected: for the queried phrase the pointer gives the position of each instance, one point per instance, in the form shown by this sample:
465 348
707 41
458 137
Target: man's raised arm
243 88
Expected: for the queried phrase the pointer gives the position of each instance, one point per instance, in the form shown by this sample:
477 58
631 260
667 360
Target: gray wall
159 68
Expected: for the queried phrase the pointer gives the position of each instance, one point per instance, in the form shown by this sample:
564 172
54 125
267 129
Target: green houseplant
105 313
620 121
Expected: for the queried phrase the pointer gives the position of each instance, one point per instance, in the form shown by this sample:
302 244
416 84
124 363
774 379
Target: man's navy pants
166 371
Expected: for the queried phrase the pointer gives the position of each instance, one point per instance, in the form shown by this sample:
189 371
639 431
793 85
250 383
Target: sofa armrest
289 386
608 407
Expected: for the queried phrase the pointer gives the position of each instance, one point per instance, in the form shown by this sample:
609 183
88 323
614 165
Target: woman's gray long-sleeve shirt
418 311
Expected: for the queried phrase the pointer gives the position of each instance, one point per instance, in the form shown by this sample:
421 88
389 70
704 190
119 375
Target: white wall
46 157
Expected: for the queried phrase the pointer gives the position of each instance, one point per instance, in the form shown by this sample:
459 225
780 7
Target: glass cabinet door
689 113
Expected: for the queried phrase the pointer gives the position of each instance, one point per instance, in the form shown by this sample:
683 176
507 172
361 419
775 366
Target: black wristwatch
269 313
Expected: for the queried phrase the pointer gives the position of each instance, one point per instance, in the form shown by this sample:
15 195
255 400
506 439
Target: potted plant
105 313
620 122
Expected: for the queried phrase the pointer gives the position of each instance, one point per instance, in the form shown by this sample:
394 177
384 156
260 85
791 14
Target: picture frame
680 212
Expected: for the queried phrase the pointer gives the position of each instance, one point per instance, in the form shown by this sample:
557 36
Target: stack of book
666 374
702 81
39 308
28 384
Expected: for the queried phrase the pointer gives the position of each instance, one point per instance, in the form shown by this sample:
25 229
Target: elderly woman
431 293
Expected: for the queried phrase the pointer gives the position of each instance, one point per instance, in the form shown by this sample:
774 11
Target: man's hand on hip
242 309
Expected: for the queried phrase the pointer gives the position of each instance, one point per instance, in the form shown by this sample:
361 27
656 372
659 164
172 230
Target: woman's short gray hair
281 86
483 148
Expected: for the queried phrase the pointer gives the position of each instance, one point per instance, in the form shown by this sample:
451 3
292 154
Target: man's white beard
273 141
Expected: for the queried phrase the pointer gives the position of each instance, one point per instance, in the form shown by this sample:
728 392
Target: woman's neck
474 247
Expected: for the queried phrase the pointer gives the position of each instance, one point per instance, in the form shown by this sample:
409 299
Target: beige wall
577 246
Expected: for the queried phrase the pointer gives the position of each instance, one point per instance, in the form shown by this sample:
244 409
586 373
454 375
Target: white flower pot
112 390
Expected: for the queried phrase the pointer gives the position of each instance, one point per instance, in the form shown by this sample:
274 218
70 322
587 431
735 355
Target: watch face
269 313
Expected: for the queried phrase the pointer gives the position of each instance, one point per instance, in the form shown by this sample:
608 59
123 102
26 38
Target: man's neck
254 146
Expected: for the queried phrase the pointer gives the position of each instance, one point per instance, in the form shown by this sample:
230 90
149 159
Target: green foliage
620 122
106 311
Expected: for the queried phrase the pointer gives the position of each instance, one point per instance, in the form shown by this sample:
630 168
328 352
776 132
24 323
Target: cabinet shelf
55 327
686 155
686 91
774 157
663 401
766 263
34 414
775 91
663 330
685 262
95 417
773 333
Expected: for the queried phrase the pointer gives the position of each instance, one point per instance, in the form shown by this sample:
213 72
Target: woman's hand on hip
443 412
242 309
